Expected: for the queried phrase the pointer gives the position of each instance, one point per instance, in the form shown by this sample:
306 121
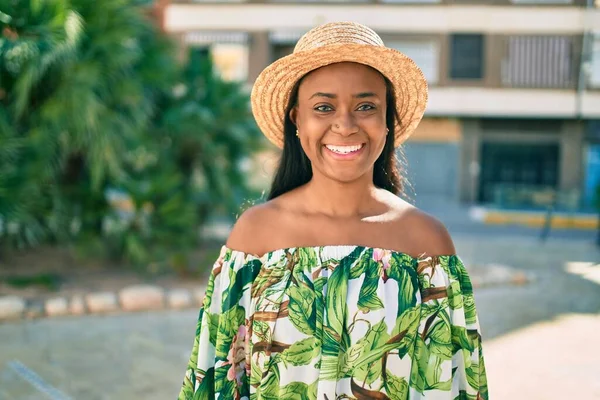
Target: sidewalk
555 359
540 340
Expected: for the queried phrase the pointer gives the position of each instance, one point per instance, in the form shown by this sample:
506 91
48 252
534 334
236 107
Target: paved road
539 339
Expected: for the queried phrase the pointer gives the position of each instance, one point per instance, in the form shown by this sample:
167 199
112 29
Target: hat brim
272 89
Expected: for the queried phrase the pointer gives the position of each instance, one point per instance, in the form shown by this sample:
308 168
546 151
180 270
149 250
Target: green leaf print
337 289
440 340
455 297
330 368
306 259
187 393
213 326
298 391
194 357
220 378
420 360
463 276
239 281
229 323
331 342
434 373
473 375
269 387
368 357
307 303
268 282
461 339
206 390
255 373
406 320
228 390
374 340
361 264
262 331
301 309
407 285
483 386
463 395
367 298
319 284
395 387
226 303
448 265
301 352
443 385
210 288
470 310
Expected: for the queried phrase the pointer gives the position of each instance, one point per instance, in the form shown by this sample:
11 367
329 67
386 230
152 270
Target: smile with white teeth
344 149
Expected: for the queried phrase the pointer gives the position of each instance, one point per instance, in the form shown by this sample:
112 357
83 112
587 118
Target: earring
297 133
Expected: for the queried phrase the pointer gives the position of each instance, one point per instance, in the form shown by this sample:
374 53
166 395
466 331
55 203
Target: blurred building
514 84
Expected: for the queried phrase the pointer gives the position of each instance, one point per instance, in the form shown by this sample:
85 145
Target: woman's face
341 119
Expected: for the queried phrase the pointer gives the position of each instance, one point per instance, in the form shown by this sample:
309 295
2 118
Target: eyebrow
361 95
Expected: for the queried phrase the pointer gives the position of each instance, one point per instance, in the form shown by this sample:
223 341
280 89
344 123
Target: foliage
210 131
88 107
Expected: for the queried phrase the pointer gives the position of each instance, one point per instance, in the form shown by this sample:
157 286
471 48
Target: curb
141 297
535 219
135 298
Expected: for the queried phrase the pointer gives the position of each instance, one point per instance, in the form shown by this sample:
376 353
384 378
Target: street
540 340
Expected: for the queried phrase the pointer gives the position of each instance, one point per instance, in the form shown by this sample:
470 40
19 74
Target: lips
345 152
344 149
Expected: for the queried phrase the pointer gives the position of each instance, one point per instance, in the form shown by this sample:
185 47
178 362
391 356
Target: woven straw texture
329 44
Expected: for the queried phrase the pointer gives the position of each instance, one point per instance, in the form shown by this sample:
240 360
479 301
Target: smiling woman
345 122
336 288
364 106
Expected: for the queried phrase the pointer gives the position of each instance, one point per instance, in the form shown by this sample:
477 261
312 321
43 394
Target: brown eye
323 108
366 107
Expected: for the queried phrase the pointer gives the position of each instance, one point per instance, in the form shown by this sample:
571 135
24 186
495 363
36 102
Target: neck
340 199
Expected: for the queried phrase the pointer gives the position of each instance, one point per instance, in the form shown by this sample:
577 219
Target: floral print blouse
336 322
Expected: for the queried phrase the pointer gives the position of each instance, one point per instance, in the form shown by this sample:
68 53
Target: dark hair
295 169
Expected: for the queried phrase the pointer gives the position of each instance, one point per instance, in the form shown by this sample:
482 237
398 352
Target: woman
335 288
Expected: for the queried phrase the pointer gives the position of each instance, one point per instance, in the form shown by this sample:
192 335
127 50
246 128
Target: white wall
390 18
511 102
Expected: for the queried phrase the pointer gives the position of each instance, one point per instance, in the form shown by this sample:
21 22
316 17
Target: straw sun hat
332 43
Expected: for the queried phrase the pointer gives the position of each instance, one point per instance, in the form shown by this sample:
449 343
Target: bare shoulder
428 234
249 231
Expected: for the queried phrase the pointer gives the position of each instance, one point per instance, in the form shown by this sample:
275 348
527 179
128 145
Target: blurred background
128 149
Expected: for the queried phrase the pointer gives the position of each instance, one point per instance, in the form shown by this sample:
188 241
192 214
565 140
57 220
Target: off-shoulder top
336 322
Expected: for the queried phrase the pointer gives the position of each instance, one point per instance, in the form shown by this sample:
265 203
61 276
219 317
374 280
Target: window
594 73
517 165
538 62
542 1
229 51
412 1
283 42
424 53
318 1
281 50
466 56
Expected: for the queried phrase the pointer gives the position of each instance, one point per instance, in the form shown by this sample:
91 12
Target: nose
344 124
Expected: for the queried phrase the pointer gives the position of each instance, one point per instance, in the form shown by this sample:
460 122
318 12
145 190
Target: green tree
208 126
92 100
37 37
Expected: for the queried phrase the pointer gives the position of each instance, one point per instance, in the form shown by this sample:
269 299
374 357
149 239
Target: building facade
514 84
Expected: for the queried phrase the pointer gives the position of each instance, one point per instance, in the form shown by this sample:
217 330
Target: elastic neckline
339 247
